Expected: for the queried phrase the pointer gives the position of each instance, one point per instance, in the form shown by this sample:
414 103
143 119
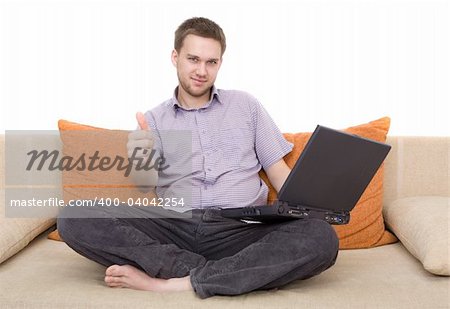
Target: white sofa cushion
422 224
16 233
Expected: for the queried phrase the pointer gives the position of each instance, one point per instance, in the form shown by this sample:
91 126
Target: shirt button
209 169
203 131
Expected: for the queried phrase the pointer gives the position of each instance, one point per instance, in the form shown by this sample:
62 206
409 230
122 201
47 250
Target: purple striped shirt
214 153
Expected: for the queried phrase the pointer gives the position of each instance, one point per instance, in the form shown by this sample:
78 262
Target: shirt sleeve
270 144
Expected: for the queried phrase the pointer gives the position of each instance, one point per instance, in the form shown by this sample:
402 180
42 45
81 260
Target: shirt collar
214 95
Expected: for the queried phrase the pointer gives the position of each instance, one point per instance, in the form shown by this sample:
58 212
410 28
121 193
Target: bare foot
127 276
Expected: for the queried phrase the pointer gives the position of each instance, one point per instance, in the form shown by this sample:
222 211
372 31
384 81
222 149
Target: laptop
326 182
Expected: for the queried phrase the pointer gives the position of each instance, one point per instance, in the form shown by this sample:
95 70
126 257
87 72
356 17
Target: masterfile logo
54 161
47 170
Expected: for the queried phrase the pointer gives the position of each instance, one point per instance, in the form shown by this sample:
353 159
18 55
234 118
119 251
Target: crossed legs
208 254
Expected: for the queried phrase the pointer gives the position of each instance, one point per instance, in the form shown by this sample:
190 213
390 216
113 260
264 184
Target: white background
337 63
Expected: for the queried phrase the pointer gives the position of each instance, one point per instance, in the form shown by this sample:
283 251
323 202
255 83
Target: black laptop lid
333 170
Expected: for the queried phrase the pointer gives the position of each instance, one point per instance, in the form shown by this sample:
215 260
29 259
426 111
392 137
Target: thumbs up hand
142 121
141 139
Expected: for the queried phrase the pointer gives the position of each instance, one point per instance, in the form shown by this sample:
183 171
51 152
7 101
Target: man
232 138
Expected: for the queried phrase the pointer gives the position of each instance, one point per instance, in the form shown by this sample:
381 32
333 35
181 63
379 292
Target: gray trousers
222 256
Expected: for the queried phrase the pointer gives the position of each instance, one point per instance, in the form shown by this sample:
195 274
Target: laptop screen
333 170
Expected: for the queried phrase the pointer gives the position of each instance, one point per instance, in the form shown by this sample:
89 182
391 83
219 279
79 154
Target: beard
196 94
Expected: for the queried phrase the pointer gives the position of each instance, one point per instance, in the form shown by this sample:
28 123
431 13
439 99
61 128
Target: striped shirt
213 154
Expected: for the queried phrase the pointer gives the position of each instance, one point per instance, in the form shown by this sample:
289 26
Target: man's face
197 63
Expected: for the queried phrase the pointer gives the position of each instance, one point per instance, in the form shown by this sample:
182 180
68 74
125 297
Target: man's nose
201 69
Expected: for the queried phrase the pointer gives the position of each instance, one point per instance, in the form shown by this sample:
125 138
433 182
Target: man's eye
193 59
213 62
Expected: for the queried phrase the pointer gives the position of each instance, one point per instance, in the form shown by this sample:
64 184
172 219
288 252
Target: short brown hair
199 26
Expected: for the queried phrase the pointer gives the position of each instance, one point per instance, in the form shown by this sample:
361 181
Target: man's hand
141 138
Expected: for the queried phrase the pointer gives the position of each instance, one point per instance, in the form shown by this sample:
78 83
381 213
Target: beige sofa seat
48 274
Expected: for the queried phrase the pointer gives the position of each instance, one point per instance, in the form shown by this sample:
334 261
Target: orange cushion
54 236
366 228
90 184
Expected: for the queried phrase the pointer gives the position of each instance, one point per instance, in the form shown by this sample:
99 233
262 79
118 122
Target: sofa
37 272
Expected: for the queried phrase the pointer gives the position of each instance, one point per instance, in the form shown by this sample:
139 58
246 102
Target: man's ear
174 58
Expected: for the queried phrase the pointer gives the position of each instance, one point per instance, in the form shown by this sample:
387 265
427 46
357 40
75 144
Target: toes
113 270
111 279
115 276
115 282
110 270
115 285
